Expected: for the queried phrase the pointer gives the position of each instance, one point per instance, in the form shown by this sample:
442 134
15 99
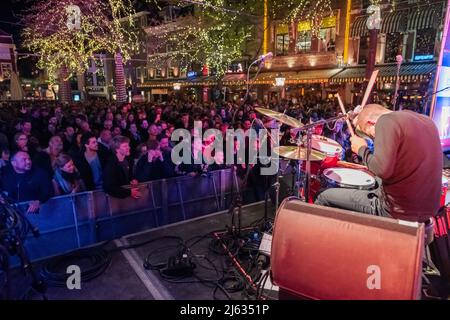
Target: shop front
413 78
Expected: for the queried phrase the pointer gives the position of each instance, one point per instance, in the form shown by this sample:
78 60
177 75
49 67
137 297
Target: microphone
264 57
352 114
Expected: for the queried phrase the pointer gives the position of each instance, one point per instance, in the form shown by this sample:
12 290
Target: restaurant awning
184 82
239 79
359 28
425 18
298 77
409 72
395 21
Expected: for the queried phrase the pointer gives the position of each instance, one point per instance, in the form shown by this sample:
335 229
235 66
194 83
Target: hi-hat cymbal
298 153
280 117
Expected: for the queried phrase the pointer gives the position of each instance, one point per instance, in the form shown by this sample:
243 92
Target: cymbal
298 153
280 117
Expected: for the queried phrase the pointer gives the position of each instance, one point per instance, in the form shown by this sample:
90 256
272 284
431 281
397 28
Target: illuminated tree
216 37
67 33
312 10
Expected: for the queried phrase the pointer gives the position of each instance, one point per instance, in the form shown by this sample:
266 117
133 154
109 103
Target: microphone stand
397 82
261 60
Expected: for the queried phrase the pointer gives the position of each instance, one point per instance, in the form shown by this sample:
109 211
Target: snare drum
348 178
331 148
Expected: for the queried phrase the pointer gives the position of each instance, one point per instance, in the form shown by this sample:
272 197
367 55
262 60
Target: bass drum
287 180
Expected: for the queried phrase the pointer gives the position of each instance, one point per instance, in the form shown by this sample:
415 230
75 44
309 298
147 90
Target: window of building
145 72
138 73
303 41
425 41
89 80
158 73
393 46
151 73
326 36
6 70
363 50
101 81
282 44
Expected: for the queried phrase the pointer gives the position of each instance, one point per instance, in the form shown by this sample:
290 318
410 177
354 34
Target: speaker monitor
327 253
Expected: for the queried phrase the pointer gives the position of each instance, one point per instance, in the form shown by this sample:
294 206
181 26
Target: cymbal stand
309 129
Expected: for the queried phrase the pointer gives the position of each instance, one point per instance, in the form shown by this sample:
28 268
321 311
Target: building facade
329 59
8 62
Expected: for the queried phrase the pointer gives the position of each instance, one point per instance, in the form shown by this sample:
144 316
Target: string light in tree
67 33
300 10
215 37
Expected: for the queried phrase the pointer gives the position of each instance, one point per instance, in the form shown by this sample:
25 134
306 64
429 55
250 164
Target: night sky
10 9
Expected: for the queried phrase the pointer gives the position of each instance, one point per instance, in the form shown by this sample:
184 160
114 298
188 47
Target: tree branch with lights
66 34
216 37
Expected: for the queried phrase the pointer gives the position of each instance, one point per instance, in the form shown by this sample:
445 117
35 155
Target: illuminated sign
441 102
423 57
305 25
192 74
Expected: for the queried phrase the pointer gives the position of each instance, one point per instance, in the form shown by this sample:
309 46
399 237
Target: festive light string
106 26
217 38
299 10
214 38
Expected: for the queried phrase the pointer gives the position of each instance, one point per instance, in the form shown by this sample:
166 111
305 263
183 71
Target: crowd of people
49 149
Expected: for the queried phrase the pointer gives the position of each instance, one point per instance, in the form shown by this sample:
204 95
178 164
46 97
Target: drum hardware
299 153
309 129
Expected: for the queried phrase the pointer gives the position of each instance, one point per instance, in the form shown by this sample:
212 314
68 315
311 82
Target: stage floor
126 278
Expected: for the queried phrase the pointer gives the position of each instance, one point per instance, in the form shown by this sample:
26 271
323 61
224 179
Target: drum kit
318 158
316 162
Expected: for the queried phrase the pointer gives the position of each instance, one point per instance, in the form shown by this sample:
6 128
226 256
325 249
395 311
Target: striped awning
359 27
424 18
394 22
409 72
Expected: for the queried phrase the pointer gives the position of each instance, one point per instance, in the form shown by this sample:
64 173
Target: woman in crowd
67 178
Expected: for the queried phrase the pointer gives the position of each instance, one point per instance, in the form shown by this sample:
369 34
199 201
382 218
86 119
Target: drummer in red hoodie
407 160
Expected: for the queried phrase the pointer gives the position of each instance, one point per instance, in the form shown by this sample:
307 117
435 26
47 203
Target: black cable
54 271
140 244
219 286
158 266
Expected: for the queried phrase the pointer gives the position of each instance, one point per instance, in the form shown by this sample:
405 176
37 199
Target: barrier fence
74 221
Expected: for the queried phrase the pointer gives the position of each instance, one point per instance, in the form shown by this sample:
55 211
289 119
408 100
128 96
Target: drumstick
372 80
345 164
349 124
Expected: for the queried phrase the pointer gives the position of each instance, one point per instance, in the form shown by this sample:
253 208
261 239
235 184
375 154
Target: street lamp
279 82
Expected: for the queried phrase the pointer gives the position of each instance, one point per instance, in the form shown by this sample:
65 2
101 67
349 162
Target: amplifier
327 253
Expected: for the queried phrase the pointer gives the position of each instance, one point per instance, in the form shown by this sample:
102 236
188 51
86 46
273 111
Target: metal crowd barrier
74 221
